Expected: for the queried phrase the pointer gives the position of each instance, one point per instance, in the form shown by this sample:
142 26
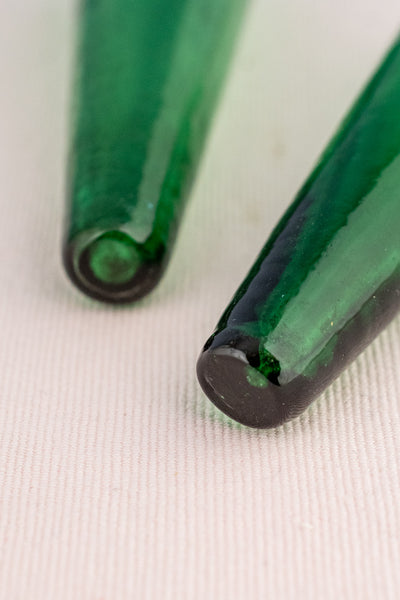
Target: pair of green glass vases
328 279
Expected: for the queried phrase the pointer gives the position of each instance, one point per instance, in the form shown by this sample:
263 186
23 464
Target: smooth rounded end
249 386
240 390
110 266
111 259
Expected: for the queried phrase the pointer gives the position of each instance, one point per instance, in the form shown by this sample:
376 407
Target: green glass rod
148 76
328 279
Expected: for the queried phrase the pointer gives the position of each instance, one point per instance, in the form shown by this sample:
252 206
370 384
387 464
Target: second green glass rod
327 280
148 78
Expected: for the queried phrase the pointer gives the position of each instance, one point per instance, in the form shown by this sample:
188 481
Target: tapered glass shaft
328 279
148 74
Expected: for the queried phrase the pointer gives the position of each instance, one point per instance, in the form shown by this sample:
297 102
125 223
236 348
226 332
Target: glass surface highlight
328 279
148 75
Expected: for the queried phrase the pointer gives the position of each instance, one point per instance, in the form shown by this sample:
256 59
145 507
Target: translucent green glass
328 279
148 75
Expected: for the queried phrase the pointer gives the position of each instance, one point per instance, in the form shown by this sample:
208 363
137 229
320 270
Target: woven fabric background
118 479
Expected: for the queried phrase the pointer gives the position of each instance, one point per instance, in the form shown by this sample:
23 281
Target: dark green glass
328 279
148 77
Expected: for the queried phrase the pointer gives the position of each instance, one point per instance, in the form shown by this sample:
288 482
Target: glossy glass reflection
328 279
148 75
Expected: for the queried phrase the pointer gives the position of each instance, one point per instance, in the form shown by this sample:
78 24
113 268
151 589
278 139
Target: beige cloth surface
118 479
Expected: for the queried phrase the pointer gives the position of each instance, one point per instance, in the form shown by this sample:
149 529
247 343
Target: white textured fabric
118 479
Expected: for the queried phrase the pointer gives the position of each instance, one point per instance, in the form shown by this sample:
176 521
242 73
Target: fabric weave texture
118 478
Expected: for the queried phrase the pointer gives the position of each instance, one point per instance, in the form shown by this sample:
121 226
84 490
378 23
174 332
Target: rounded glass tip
111 267
112 258
242 391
